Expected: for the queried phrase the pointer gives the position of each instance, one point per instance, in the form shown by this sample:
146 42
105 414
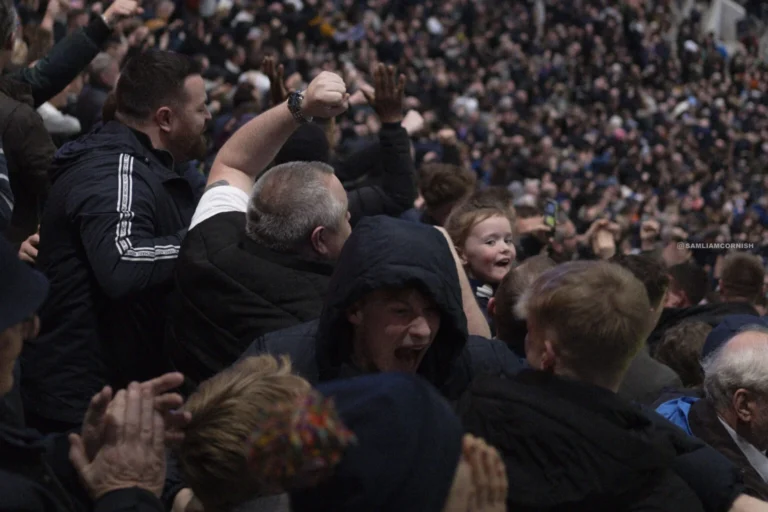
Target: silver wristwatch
295 99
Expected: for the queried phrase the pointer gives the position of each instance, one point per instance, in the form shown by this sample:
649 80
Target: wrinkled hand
121 9
28 249
94 423
489 476
133 454
387 98
277 89
325 97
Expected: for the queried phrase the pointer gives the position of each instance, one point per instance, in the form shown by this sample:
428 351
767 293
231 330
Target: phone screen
550 213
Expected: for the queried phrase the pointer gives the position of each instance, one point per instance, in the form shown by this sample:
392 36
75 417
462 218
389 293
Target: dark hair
7 20
443 184
680 349
526 211
742 276
152 80
691 279
509 328
649 271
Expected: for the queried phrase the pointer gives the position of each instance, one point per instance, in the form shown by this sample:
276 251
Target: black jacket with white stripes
116 215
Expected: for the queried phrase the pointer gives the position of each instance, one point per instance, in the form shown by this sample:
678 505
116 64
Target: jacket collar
706 425
287 260
19 440
159 156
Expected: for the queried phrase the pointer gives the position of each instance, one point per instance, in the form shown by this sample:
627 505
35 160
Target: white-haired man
733 415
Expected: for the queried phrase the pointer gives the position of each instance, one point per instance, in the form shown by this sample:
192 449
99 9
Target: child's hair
468 215
226 409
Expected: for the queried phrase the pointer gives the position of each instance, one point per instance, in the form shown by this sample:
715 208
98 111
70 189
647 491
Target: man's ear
549 357
492 306
743 404
163 118
318 241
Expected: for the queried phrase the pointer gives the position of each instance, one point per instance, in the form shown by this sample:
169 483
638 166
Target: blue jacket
116 215
385 252
677 411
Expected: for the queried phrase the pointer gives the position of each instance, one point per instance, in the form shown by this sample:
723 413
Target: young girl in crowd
483 238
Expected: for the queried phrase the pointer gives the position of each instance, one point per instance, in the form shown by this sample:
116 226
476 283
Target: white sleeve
218 200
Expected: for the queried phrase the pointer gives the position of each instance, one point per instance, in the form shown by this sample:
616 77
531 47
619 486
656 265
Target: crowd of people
381 255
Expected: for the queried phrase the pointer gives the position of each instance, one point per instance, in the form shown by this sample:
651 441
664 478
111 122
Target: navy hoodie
385 252
110 235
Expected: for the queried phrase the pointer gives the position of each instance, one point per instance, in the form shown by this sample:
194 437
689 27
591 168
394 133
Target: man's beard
192 147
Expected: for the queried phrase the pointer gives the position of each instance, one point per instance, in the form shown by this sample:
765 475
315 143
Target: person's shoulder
492 357
668 492
221 198
296 342
284 341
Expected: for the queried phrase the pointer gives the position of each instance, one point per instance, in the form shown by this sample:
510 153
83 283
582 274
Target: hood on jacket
566 442
408 446
383 252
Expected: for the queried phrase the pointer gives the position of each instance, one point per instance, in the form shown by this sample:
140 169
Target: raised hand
133 454
121 9
326 96
387 98
277 89
166 403
28 249
489 476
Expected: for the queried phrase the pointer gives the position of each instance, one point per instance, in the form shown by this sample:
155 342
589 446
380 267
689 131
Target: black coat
384 252
28 146
390 189
573 446
29 151
109 240
36 476
229 290
705 425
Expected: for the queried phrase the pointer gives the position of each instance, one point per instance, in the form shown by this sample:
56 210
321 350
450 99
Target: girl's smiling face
489 251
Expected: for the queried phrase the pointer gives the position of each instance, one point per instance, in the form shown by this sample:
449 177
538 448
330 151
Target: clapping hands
133 449
109 433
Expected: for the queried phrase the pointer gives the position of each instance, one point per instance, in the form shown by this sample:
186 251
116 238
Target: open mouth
503 263
409 355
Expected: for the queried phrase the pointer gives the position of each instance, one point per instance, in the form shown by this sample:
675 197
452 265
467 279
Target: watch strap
295 99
